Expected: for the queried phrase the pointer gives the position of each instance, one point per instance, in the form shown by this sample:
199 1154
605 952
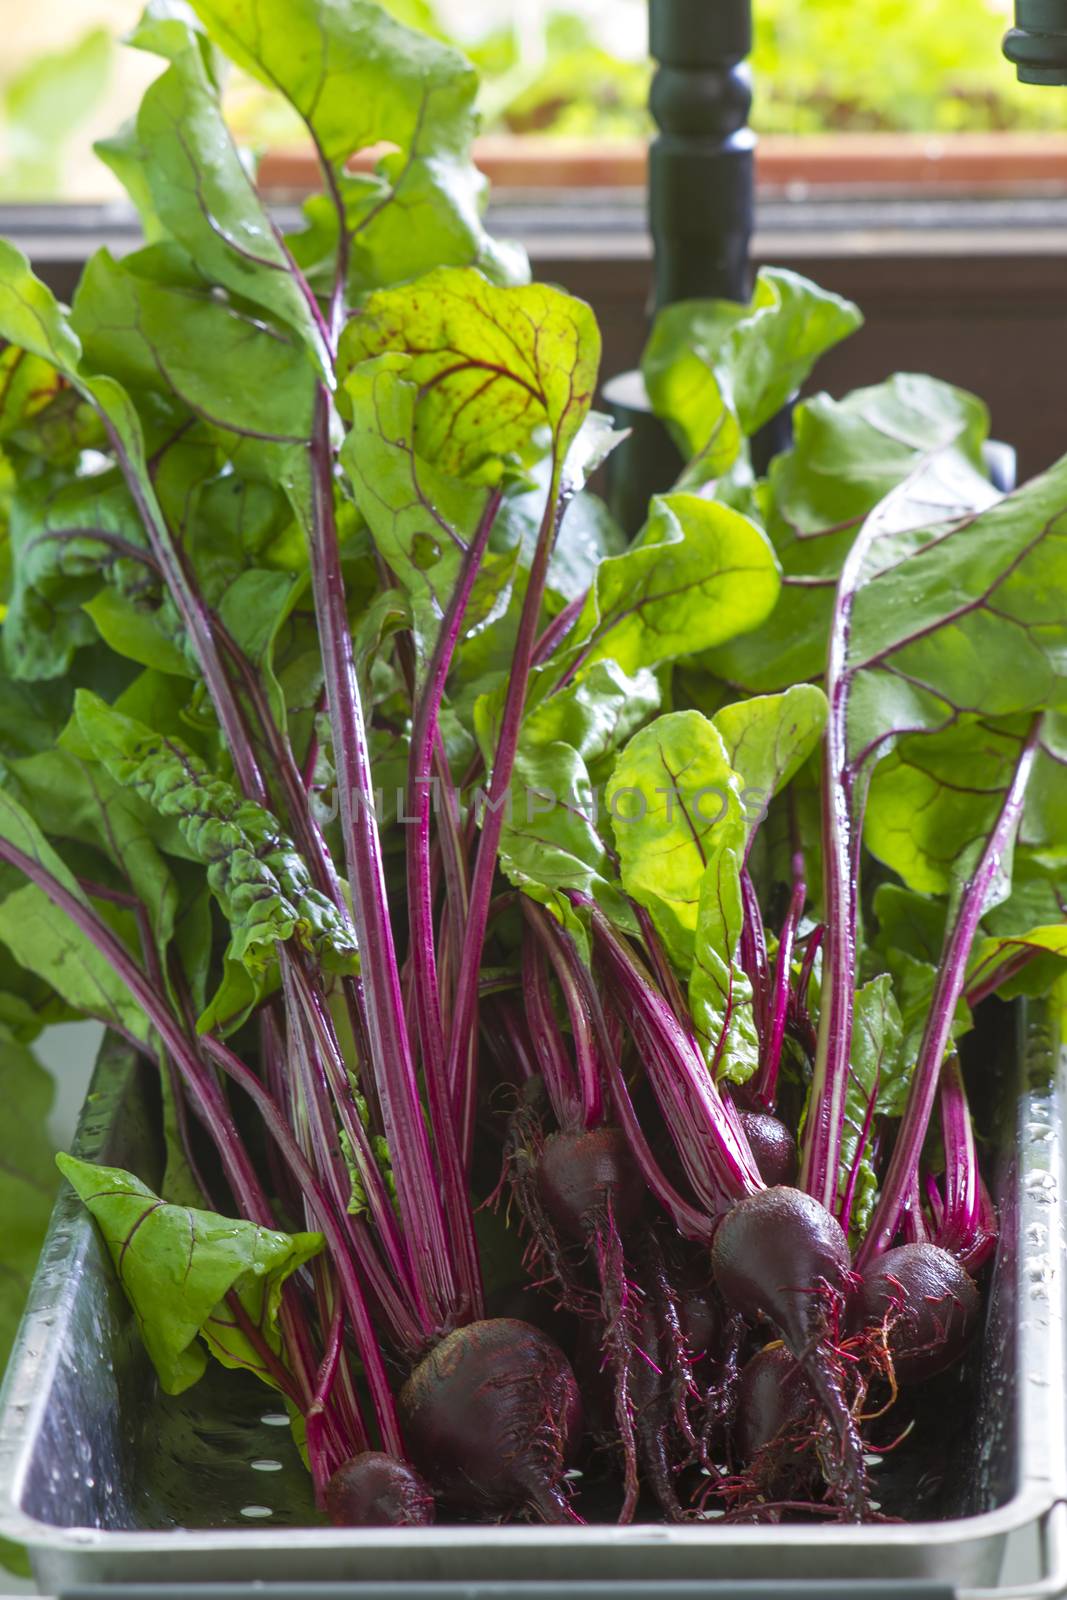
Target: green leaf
880 1073
30 316
846 457
594 714
27 386
422 518
768 739
177 1265
177 338
355 76
44 939
78 800
384 85
491 365
27 1178
133 631
934 800
549 841
204 197
673 799
716 371
697 574
720 994
260 881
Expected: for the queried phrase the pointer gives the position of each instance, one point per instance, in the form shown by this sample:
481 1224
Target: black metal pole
701 188
701 173
1038 42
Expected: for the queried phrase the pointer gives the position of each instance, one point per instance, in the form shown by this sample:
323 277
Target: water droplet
275 1419
254 1512
265 1464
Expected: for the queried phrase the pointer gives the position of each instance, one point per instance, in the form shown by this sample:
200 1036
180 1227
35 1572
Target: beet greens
556 954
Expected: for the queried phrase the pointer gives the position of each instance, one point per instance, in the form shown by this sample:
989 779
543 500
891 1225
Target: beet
493 1416
773 1146
781 1255
772 1397
374 1490
927 1303
579 1174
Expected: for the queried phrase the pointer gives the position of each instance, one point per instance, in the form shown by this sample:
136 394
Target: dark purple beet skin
374 1490
927 1303
773 1146
772 1397
578 1174
493 1416
775 1254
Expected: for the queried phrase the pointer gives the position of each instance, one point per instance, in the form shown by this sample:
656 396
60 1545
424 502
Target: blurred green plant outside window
820 66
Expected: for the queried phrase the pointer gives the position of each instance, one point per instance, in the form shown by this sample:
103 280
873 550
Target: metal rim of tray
1040 1503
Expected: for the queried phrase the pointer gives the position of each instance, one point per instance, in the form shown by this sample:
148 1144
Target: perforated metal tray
109 1482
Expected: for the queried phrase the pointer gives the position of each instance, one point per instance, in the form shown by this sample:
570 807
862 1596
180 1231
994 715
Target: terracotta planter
965 162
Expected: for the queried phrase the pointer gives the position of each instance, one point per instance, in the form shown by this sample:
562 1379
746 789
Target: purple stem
766 1084
557 630
418 1192
951 975
690 1222
425 991
710 1143
566 963
197 619
462 1055
548 1044
980 988
322 1468
754 951
326 1217
961 1218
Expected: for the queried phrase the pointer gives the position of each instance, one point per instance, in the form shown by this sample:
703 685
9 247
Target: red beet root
772 1398
580 1174
773 1146
374 1490
781 1255
492 1416
927 1304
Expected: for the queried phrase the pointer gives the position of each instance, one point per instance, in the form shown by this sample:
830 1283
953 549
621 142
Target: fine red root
493 1416
374 1490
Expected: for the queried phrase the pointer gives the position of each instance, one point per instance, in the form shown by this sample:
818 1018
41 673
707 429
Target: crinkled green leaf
768 739
256 874
672 797
177 1265
716 371
846 456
